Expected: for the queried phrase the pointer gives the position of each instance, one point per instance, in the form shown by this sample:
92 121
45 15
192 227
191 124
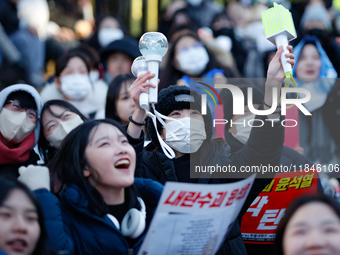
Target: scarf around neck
17 155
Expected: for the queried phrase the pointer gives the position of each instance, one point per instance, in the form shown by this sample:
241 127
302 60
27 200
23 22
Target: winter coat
92 106
10 170
315 135
263 147
73 229
2 253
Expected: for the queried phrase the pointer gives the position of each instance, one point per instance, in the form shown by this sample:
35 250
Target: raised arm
264 145
139 86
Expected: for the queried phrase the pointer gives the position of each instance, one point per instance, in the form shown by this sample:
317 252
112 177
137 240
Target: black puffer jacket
264 147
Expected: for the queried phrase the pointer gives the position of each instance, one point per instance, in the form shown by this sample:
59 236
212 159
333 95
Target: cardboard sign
262 218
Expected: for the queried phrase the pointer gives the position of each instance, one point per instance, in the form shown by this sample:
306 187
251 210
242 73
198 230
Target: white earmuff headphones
133 223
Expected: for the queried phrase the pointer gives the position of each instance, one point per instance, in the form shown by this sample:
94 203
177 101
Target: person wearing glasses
20 107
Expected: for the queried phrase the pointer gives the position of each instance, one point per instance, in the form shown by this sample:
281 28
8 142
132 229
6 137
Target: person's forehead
317 212
185 41
19 199
75 61
185 110
109 22
310 48
53 110
57 109
124 89
106 129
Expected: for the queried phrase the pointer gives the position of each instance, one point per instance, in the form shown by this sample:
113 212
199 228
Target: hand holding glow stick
279 29
138 68
153 46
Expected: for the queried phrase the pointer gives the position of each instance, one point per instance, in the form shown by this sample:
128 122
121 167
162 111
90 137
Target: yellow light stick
279 29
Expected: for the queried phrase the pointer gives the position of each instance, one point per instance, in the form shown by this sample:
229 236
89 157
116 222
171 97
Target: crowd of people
83 166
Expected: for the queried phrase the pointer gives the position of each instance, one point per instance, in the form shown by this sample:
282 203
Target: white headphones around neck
133 223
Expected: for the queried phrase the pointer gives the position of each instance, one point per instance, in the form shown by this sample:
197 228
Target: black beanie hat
167 103
227 101
127 45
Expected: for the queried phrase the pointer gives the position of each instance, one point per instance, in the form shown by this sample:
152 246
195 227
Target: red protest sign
260 222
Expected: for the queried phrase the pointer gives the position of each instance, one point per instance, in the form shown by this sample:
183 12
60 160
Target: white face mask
94 76
75 86
109 35
62 130
15 126
193 61
185 138
243 132
195 2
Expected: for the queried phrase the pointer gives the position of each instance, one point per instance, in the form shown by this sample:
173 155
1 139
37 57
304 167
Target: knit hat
227 101
174 98
127 45
315 12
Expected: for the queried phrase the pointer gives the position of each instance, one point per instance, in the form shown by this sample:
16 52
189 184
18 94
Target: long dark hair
46 151
6 187
294 206
113 95
70 161
170 75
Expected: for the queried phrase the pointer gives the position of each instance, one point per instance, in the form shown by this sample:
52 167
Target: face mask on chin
55 139
243 131
15 126
193 61
75 86
186 138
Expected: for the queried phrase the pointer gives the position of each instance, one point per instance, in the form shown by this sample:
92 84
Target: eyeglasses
14 105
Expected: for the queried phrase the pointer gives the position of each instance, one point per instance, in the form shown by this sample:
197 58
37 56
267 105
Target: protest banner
194 218
260 222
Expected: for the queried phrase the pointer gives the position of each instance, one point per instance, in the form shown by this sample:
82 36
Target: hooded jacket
315 136
11 170
73 229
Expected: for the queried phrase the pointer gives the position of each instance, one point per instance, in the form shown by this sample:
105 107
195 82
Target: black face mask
321 34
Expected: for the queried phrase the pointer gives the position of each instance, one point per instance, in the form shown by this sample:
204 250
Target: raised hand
275 69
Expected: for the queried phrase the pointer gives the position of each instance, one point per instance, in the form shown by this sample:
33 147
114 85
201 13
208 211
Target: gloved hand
35 177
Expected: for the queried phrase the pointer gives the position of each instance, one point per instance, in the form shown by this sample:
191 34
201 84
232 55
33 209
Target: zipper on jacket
130 251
